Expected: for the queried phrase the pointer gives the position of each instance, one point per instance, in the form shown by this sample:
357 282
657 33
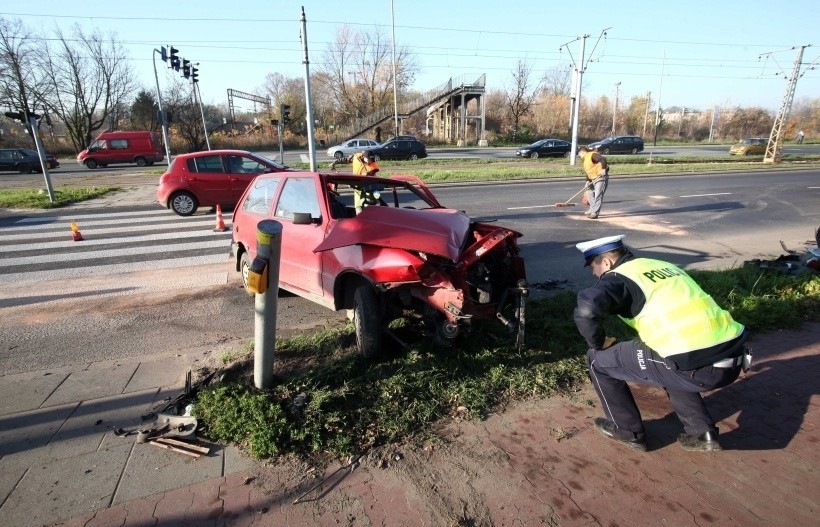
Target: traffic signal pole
163 120
33 121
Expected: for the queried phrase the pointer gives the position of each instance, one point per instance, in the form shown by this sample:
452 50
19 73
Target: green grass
38 199
328 401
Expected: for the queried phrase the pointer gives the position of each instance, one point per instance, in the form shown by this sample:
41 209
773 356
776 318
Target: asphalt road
62 303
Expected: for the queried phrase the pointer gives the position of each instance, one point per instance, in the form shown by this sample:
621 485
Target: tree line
82 82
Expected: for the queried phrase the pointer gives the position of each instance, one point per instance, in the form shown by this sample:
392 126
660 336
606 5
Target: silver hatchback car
350 147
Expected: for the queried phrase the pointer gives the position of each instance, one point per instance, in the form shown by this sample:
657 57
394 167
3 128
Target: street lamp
615 108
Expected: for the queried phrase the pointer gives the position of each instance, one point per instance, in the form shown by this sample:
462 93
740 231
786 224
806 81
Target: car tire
141 161
338 155
634 150
605 151
24 168
91 163
534 155
367 320
377 158
566 154
244 268
414 156
183 203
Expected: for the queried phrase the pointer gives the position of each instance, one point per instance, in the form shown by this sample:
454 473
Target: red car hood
433 231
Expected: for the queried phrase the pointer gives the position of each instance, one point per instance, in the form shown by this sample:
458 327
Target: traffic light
174 58
284 113
163 54
194 74
186 68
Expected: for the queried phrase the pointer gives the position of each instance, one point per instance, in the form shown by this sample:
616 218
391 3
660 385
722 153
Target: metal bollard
268 247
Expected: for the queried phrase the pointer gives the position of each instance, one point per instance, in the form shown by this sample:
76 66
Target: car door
118 151
6 160
300 269
209 180
241 171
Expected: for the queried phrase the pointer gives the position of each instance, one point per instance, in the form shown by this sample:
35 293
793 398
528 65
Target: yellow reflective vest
678 316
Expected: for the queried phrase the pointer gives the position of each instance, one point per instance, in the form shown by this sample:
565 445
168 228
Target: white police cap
593 248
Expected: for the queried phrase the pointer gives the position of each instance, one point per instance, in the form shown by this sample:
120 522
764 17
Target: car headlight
524 151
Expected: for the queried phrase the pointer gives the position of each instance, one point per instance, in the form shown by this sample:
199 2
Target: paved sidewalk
537 463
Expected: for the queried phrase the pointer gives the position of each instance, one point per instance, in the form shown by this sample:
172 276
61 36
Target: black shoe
705 442
630 439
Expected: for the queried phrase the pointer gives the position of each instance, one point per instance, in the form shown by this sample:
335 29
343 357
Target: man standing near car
363 165
686 343
597 174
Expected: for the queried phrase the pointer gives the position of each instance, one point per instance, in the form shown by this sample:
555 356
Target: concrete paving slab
151 469
238 461
32 429
19 393
167 372
9 479
92 383
65 488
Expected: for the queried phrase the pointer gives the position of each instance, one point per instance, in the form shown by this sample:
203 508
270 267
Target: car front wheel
414 156
377 158
338 155
634 150
566 154
184 203
244 269
535 155
606 151
91 163
367 320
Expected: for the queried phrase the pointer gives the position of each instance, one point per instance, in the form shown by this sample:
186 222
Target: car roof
215 152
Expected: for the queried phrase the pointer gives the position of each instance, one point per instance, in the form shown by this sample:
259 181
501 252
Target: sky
698 54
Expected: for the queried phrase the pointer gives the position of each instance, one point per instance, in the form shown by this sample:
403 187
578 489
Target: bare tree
558 80
357 69
520 95
88 80
17 73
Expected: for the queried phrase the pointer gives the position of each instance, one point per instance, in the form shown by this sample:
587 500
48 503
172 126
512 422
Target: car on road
210 178
545 148
24 160
404 252
750 146
350 147
619 144
400 148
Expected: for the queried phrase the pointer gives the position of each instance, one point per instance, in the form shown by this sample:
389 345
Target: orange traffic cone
75 232
220 222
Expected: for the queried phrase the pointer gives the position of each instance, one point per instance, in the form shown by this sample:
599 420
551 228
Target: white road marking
703 195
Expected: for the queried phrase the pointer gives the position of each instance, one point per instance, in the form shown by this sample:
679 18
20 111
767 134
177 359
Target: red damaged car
402 251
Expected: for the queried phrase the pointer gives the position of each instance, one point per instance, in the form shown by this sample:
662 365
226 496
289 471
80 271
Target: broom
567 202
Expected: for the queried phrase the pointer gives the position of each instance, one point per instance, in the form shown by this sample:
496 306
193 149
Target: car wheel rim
183 204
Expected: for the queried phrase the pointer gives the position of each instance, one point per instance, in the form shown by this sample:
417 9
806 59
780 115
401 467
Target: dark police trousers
634 361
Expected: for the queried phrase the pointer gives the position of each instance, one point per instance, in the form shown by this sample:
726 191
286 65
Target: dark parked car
545 148
619 144
397 148
210 178
24 160
403 252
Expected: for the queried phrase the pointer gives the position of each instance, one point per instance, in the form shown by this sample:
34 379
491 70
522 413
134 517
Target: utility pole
646 112
395 90
615 108
580 67
773 148
712 124
308 105
658 110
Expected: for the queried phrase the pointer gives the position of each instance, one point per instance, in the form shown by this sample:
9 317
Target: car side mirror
302 218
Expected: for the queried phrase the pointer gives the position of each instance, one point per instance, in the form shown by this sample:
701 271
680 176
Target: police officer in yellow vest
686 343
597 173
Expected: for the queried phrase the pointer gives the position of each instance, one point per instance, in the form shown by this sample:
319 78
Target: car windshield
539 143
391 193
